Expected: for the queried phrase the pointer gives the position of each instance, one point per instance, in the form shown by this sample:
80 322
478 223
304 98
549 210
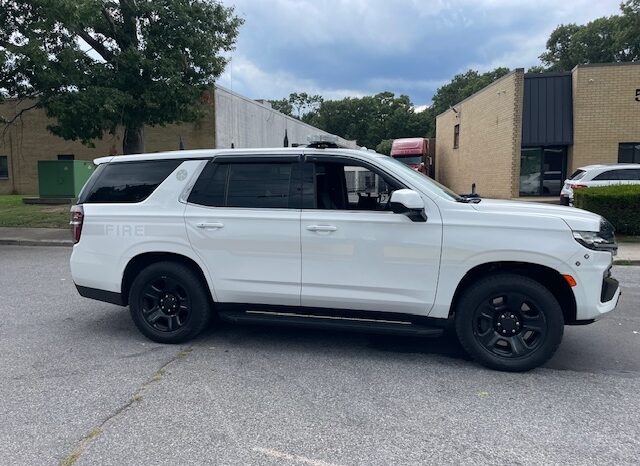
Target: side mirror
409 203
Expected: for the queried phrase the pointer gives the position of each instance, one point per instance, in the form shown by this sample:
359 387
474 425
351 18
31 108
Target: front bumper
610 286
597 292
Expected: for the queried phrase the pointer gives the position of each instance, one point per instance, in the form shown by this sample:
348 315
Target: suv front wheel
168 303
509 322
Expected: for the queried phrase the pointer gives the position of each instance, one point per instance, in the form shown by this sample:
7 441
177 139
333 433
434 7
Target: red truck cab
413 152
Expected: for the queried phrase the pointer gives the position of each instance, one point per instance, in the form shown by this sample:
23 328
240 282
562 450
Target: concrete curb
29 242
626 262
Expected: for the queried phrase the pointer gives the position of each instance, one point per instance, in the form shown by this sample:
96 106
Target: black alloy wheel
510 325
166 306
169 302
509 322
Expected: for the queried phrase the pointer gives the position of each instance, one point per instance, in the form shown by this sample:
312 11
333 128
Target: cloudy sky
340 48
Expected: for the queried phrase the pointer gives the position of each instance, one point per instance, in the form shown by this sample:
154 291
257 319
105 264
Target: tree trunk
133 141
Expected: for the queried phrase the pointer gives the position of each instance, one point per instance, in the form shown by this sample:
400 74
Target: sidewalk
628 253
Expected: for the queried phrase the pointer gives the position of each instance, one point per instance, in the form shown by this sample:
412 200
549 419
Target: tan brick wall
605 112
490 135
28 140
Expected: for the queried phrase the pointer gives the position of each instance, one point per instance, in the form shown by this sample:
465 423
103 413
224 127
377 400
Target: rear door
356 253
243 219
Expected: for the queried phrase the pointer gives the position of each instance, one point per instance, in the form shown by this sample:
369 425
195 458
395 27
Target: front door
356 253
542 170
243 220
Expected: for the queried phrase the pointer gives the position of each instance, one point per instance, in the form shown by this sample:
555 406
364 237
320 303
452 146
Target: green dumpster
63 178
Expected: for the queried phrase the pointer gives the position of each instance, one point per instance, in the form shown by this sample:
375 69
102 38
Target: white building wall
247 123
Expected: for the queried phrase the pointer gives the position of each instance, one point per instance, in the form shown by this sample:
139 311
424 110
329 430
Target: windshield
421 180
408 159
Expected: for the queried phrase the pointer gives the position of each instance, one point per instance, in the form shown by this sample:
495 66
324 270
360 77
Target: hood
577 219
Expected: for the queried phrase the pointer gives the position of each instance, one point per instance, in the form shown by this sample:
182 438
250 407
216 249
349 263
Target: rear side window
577 174
126 182
628 174
267 185
608 176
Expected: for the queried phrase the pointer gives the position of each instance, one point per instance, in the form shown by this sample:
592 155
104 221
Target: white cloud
405 46
247 78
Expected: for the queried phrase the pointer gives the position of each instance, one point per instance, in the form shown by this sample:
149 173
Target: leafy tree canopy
462 86
384 147
603 40
95 65
370 119
298 104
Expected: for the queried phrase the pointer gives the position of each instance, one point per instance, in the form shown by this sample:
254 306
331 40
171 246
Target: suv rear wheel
509 322
168 303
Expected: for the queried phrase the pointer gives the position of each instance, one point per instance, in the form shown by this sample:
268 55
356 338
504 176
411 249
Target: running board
351 324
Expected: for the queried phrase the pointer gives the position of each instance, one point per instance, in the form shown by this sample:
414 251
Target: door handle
321 228
210 225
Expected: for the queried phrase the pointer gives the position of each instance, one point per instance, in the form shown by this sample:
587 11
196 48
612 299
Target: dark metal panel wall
547 113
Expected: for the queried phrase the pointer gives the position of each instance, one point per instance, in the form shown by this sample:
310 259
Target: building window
456 136
4 166
629 152
66 157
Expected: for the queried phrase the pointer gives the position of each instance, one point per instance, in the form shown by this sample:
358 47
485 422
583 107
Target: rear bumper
101 295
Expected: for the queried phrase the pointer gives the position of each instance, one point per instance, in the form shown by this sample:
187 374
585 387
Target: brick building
524 133
230 120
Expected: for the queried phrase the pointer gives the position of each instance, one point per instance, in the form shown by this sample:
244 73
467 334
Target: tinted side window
270 185
577 174
127 182
629 174
265 185
607 176
210 189
348 186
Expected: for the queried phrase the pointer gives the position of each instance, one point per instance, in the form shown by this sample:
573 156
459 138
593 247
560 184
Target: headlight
603 240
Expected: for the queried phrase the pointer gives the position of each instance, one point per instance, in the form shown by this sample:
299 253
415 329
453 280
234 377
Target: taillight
578 186
77 217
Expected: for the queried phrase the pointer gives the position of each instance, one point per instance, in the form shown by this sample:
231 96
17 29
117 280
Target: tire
169 303
509 322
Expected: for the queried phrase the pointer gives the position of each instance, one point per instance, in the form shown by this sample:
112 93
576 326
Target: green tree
95 65
608 39
384 147
370 119
283 106
297 104
460 87
304 103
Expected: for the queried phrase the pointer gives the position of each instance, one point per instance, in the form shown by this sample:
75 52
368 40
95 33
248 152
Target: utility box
63 178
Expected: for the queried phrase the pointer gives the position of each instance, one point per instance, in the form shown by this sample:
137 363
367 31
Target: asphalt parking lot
80 384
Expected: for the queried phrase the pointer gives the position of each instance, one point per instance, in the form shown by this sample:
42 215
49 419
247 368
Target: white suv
335 238
599 175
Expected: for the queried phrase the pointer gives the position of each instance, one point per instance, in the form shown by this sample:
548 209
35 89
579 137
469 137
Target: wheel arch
546 276
143 260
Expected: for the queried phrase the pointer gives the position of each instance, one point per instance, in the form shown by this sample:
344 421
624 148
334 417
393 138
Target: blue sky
340 48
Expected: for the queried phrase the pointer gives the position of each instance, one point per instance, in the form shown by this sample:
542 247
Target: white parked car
335 238
551 183
599 175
